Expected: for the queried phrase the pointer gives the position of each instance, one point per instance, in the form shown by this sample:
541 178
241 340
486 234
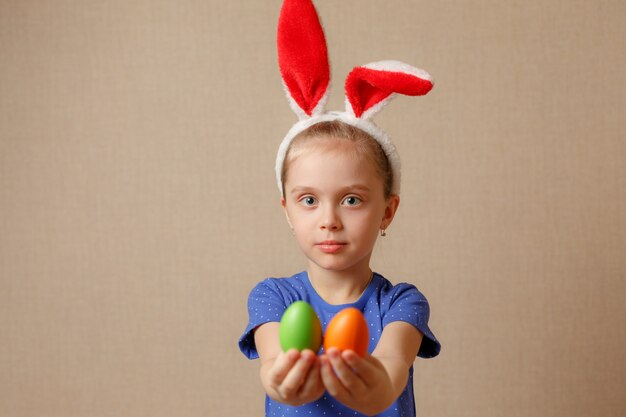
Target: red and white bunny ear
303 57
372 86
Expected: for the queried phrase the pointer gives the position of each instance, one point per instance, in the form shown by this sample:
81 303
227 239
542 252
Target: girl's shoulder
404 302
391 297
389 290
287 288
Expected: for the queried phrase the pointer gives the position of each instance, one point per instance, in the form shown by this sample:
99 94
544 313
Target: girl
339 178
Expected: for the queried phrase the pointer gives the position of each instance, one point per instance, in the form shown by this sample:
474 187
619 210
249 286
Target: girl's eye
352 201
308 201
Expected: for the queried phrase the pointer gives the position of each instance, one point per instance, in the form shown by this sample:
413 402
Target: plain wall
138 204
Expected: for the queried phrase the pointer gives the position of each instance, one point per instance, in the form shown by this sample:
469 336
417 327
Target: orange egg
347 330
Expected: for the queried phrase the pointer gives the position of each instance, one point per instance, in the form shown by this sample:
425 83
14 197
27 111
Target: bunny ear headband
303 62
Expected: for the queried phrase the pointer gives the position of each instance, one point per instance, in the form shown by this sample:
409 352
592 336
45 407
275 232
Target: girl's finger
365 368
282 365
330 380
348 378
295 378
312 382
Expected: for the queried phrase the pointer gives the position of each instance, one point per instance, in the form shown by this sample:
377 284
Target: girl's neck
339 287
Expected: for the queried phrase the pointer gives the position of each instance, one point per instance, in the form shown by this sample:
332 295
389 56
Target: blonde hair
365 146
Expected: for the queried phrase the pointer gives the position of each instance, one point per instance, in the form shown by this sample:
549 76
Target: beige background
138 205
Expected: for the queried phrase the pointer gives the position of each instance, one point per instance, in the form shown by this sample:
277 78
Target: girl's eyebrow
355 187
301 189
358 187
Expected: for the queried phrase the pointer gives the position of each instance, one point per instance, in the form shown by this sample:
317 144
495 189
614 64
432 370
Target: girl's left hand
359 383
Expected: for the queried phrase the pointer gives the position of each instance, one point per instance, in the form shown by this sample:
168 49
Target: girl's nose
330 226
330 220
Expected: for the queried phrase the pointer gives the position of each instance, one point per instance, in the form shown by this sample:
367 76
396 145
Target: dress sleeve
409 305
265 305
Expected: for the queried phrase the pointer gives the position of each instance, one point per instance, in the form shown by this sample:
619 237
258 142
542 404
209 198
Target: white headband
303 62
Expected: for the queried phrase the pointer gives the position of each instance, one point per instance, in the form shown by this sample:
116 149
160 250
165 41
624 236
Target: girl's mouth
330 246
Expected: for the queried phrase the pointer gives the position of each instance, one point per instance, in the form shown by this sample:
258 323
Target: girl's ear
390 211
283 203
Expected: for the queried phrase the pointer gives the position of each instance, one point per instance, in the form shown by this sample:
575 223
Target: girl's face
335 204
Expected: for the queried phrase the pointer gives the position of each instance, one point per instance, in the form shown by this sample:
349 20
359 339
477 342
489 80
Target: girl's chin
336 266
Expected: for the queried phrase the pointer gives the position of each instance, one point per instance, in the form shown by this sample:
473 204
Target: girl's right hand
293 377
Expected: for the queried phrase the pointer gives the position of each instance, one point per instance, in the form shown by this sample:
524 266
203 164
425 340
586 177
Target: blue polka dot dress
381 303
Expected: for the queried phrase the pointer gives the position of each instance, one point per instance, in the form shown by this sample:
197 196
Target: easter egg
300 328
347 330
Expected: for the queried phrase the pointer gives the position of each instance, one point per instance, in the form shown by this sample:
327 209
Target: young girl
339 178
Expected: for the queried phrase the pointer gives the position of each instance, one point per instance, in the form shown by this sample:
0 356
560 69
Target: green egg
300 328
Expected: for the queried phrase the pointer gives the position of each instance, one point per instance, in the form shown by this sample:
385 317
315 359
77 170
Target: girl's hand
359 383
293 377
371 384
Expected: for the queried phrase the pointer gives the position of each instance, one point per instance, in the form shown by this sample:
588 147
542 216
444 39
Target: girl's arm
289 377
371 384
397 350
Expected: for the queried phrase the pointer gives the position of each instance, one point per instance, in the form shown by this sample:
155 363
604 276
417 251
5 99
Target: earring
383 232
